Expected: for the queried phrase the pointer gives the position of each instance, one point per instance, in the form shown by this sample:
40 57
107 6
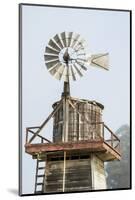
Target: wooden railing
109 137
29 131
98 130
114 141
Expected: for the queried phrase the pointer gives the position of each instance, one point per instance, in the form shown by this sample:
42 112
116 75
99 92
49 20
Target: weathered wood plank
106 152
77 175
98 173
93 145
75 189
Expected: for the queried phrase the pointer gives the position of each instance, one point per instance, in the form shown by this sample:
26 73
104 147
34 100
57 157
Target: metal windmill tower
82 142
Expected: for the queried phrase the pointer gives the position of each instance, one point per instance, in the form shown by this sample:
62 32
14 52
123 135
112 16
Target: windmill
66 58
74 159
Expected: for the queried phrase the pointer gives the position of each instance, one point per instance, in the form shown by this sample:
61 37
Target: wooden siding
81 174
77 176
98 173
78 128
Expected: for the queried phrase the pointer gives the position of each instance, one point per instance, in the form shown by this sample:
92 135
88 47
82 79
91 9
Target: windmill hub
66 56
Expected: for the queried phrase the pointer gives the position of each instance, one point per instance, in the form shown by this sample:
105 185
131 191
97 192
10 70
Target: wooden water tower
82 142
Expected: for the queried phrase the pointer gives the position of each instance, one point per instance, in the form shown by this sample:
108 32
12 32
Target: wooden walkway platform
102 148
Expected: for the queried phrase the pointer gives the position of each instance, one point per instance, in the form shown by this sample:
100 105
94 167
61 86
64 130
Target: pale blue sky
104 31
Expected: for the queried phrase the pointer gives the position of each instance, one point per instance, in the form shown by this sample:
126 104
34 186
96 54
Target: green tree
118 172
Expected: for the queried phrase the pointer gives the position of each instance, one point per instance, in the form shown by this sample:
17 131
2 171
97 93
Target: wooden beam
65 119
33 127
95 145
43 138
110 148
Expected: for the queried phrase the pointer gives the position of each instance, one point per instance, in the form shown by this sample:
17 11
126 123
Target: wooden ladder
39 178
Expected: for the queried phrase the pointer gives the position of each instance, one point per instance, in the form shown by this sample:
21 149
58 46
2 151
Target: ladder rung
41 167
39 183
41 175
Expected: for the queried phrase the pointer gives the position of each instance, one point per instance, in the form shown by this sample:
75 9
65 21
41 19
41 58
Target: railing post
111 139
103 130
119 146
42 140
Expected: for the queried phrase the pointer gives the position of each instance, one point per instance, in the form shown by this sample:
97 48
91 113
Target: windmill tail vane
99 60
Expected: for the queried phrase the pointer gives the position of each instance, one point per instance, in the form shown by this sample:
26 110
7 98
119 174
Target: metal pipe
64 170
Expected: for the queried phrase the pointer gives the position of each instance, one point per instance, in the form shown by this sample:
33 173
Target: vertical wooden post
119 146
65 120
79 135
63 131
111 139
64 171
97 173
92 171
65 95
42 141
103 130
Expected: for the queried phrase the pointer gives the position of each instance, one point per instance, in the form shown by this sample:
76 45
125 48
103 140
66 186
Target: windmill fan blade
74 40
63 37
51 50
54 45
61 72
49 57
77 70
81 54
51 63
82 59
82 65
60 69
72 73
80 45
69 38
54 70
100 60
58 40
